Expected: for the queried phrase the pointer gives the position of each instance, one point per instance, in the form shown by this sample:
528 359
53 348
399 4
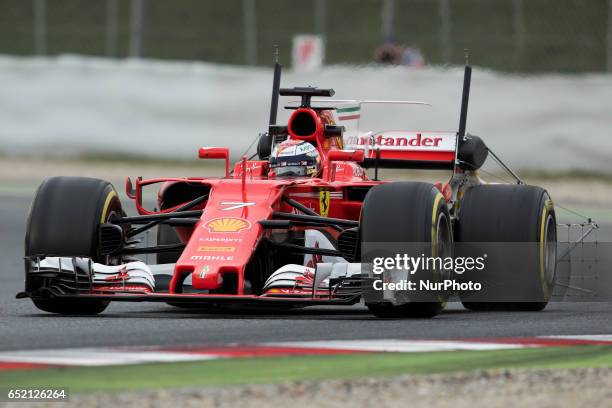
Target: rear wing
410 149
405 149
393 148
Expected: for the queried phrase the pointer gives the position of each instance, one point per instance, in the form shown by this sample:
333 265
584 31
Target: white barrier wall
70 105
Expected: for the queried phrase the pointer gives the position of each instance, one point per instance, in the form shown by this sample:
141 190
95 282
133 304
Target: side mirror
215 153
130 191
341 155
346 155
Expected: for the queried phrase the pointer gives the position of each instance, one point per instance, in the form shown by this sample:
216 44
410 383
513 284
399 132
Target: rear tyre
406 212
511 214
63 221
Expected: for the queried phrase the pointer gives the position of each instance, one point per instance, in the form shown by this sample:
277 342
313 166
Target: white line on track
400 346
588 337
97 357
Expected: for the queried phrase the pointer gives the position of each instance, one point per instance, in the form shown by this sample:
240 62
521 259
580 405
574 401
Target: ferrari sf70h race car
298 226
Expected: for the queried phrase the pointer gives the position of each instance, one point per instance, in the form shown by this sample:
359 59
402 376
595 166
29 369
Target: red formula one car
288 229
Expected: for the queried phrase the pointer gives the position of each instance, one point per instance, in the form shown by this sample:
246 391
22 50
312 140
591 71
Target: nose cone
222 243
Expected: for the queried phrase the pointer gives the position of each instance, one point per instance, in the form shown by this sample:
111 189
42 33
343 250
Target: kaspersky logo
227 225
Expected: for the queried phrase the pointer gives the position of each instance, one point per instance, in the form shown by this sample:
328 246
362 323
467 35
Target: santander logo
398 140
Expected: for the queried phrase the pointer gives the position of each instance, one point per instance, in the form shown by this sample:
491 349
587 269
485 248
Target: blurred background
523 36
157 79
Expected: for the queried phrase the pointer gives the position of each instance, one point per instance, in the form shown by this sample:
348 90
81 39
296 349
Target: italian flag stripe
349 117
345 110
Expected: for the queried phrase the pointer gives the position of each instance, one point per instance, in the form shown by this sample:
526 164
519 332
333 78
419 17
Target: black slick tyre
520 222
63 221
402 213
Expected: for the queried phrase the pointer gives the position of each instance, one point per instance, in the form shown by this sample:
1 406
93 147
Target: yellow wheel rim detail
107 202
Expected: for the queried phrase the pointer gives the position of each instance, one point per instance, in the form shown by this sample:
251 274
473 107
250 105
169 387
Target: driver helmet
295 158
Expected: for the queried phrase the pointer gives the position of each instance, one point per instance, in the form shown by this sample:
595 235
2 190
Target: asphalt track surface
22 326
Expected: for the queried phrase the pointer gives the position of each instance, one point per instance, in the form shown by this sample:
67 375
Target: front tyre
406 213
63 221
74 307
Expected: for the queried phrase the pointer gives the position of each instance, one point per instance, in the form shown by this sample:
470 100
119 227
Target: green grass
270 370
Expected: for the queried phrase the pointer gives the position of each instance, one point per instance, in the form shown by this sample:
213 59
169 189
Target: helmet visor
291 171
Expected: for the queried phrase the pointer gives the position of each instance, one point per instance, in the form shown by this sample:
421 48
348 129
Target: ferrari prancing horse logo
324 202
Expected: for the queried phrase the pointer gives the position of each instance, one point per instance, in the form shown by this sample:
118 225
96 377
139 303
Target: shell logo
227 225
